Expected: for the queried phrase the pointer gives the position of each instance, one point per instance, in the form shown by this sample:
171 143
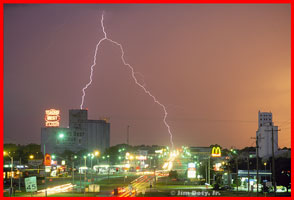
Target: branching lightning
133 76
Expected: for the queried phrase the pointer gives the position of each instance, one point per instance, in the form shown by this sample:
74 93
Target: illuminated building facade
82 134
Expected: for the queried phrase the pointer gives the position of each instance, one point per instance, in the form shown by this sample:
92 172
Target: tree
283 172
173 174
285 179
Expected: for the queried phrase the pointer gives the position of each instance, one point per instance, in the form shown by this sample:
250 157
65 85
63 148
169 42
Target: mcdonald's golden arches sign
216 152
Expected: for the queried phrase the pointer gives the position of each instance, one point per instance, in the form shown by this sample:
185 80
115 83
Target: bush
173 174
216 186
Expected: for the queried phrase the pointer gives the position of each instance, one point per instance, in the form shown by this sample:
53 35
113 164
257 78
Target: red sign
47 161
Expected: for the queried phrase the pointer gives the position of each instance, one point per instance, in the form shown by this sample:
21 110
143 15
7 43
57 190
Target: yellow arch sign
216 152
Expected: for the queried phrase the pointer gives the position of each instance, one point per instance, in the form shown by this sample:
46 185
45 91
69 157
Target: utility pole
19 175
257 155
237 182
257 174
229 175
248 172
208 171
45 171
206 177
11 176
273 162
85 177
128 129
73 173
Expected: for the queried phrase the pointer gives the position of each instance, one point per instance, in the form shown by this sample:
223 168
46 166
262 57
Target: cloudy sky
213 66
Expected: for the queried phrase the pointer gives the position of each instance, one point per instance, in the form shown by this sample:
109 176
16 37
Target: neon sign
52 118
216 152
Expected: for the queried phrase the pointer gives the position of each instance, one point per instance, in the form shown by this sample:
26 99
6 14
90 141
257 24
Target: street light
92 156
108 166
31 157
96 153
11 158
265 167
72 169
61 135
85 177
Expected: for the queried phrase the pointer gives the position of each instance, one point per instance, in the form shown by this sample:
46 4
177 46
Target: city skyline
213 66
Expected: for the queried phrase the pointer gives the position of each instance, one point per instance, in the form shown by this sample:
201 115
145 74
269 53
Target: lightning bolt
133 76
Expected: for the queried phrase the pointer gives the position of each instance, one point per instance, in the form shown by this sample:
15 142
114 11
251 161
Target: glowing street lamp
31 157
96 153
131 157
61 135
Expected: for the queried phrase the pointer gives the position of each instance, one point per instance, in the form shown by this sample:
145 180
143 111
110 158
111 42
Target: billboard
52 118
36 162
217 167
47 161
191 170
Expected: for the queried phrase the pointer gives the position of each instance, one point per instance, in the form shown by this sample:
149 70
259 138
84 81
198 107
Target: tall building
264 134
82 134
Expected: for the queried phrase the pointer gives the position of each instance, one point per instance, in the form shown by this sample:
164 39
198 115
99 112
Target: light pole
11 183
96 153
265 167
85 177
234 154
108 166
92 156
19 175
72 170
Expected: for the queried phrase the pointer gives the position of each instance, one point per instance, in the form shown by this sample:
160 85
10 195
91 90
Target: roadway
137 186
